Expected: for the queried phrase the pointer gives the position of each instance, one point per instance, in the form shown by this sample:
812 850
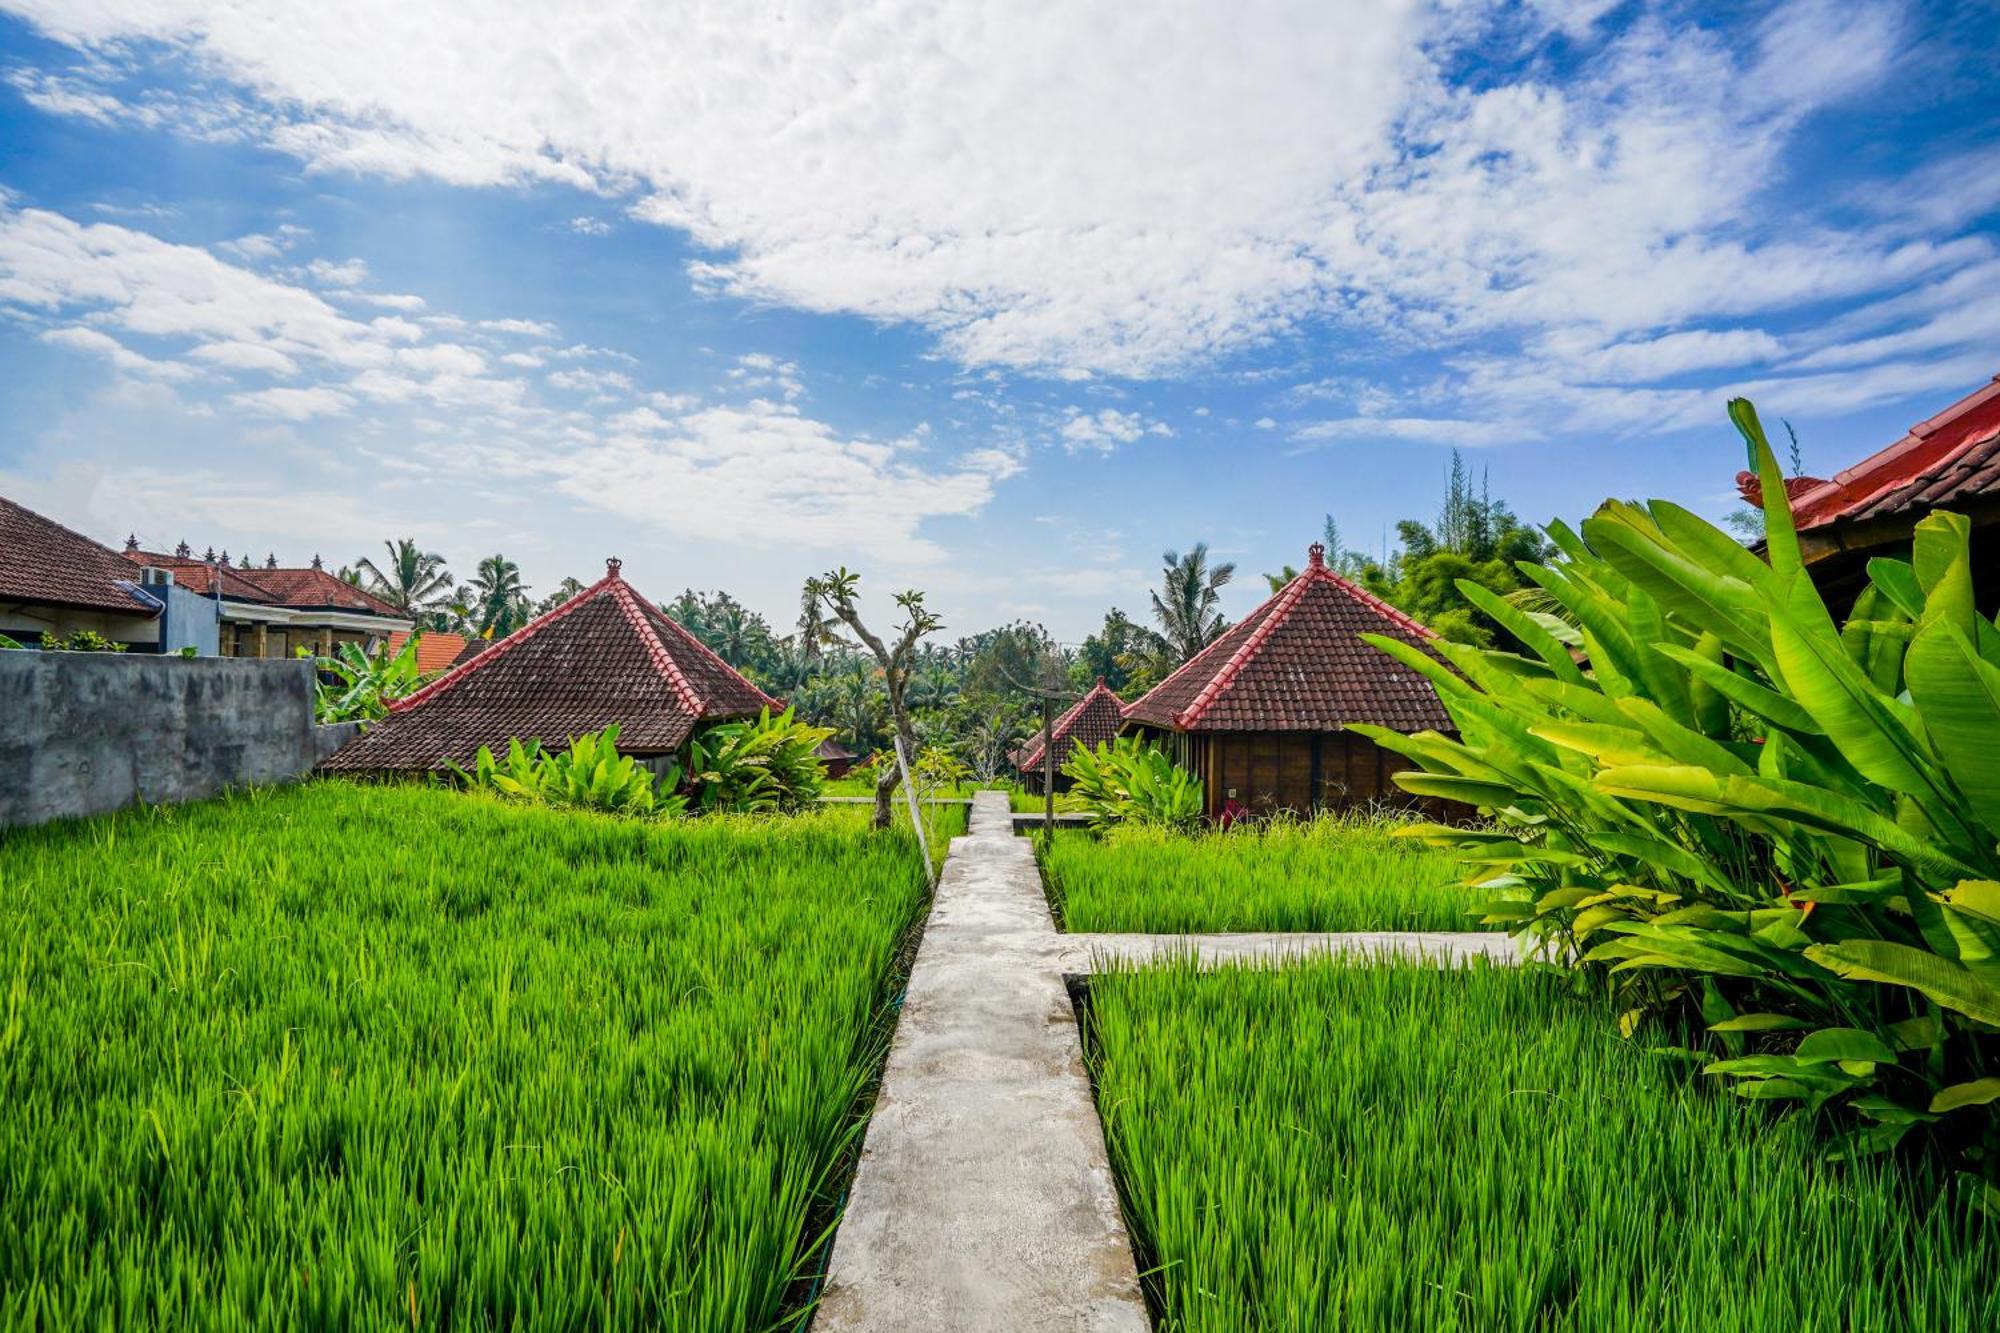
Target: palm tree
411 579
1186 606
565 590
501 599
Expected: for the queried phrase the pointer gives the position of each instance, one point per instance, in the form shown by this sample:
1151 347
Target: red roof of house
1949 460
306 589
1297 663
606 655
1090 721
200 577
436 650
43 561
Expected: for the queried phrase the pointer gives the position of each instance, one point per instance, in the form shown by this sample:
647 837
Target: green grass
1327 1147
958 791
1026 802
374 1057
1329 873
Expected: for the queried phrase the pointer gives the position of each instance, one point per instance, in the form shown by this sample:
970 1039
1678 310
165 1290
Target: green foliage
589 775
374 1057
1130 780
767 763
1743 809
364 683
7 643
80 641
1330 872
1322 1146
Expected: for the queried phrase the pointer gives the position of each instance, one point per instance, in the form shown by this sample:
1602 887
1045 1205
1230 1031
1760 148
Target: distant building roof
43 561
310 588
1090 721
830 749
1948 461
1297 663
436 650
199 576
606 655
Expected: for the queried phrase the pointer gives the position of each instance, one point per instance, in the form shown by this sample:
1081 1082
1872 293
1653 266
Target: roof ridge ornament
1316 556
612 564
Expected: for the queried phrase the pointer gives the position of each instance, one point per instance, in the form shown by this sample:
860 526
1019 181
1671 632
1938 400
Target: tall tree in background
412 579
500 600
565 590
1187 606
836 591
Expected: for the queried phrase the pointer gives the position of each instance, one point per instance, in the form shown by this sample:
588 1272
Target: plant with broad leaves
765 763
80 641
363 684
589 775
1131 781
1704 790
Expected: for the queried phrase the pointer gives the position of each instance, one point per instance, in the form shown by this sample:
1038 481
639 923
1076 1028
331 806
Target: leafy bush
6 643
80 641
590 775
363 684
770 763
1739 806
1130 780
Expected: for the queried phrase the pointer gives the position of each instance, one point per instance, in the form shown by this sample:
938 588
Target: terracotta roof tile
43 561
1949 460
606 655
1297 663
316 589
436 650
200 577
1090 721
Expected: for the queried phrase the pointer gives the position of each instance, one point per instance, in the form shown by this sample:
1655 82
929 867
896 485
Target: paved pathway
984 1201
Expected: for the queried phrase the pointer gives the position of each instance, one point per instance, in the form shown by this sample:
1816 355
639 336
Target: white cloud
80 339
1267 423
531 328
347 273
1107 428
294 404
1421 430
590 226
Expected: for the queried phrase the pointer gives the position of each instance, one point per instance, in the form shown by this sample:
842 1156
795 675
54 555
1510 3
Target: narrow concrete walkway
984 1201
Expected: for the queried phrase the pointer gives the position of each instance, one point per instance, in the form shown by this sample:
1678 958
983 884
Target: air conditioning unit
152 576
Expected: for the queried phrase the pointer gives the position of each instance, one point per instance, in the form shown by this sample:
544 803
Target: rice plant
374 1057
1333 872
1330 1147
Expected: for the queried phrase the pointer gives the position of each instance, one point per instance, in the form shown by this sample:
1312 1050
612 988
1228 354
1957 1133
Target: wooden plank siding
1287 770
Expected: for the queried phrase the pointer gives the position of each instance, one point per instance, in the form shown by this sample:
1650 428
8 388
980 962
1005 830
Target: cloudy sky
996 299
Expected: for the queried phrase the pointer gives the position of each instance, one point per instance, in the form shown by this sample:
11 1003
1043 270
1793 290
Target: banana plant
766 763
590 775
1126 780
1699 786
358 686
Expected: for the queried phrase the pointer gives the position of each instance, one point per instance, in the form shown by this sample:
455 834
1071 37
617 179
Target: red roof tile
315 589
1090 721
1950 460
606 655
436 650
200 577
1297 663
43 561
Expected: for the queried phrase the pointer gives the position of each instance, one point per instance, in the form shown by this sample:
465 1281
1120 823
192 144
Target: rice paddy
1332 872
370 1057
1385 1148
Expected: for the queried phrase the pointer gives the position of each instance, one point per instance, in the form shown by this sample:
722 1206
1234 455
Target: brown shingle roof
43 561
1090 721
606 655
200 577
1297 663
315 589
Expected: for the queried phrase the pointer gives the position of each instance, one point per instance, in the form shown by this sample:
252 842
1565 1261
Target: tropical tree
500 600
1187 607
565 590
837 590
411 579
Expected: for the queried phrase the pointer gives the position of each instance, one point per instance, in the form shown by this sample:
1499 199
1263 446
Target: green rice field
1332 872
393 1057
1389 1148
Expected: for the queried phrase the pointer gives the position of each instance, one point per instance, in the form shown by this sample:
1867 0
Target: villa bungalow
1951 461
1261 714
273 611
1090 721
839 760
606 655
57 581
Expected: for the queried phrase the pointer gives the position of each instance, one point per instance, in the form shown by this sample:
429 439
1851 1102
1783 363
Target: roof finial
1316 556
208 556
225 557
611 567
183 550
316 561
131 542
1100 682
271 560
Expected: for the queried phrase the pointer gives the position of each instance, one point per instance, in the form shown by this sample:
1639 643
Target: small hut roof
1090 721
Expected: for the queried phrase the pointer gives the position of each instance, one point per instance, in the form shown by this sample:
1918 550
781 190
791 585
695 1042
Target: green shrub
589 775
80 641
767 763
364 683
1130 780
1739 806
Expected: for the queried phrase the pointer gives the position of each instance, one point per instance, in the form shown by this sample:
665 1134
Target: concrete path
984 1201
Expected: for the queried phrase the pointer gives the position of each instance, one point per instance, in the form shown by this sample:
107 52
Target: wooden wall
1290 770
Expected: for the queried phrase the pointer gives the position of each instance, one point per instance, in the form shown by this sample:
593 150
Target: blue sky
998 300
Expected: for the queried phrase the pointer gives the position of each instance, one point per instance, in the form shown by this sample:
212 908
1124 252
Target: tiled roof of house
1297 663
43 561
832 749
436 650
200 577
1948 461
315 589
606 655
1090 721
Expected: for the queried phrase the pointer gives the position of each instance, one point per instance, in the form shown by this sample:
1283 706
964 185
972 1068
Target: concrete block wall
85 733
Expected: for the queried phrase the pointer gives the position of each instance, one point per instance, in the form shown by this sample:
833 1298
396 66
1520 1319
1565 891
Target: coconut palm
500 598
412 580
1186 607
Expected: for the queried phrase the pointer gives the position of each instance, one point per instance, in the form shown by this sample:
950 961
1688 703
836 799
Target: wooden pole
1048 769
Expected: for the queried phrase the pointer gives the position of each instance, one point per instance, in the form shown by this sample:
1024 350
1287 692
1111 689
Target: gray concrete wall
83 733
